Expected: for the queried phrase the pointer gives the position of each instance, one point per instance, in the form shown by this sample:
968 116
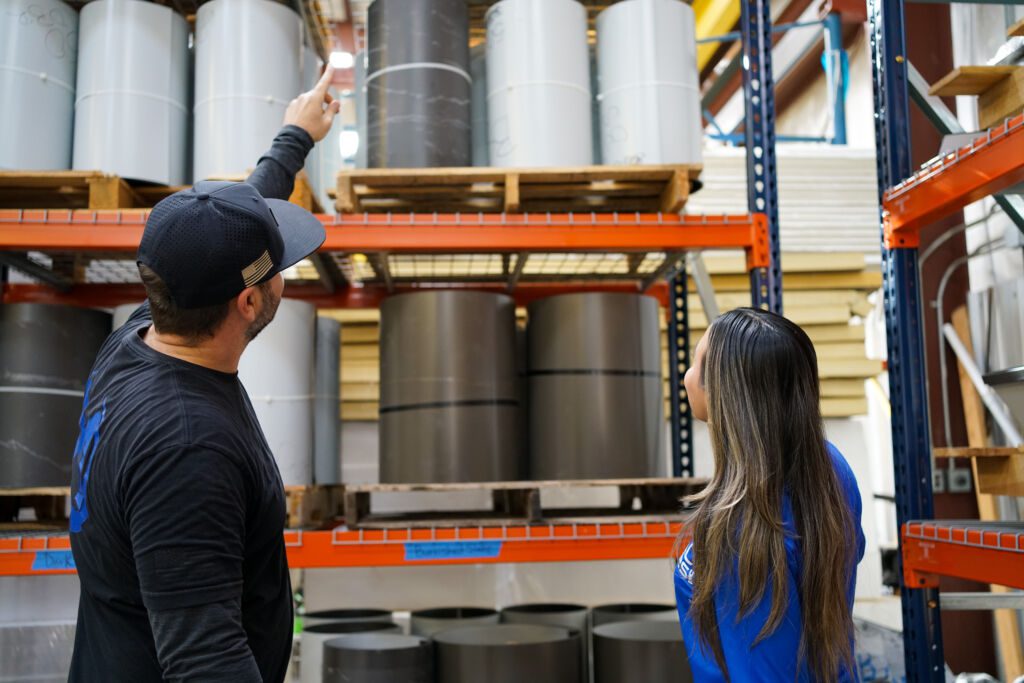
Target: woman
765 589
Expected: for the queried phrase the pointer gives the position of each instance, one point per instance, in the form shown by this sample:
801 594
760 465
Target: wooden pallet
1000 90
313 506
586 188
103 191
1000 471
308 506
49 503
520 502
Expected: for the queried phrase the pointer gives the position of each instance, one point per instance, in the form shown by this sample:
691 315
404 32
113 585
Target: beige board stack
823 293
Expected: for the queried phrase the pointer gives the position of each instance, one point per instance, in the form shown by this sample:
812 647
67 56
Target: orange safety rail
990 164
984 552
51 554
81 230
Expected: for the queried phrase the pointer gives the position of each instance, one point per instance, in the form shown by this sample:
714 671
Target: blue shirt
775 657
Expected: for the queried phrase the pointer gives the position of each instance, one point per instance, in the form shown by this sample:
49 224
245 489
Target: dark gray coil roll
311 664
324 616
427 622
378 658
572 617
509 653
633 611
649 651
595 387
418 84
449 396
326 403
46 354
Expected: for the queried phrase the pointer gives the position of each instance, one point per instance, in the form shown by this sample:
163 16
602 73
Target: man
177 504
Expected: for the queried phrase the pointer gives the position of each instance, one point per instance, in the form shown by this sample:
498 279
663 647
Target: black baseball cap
211 241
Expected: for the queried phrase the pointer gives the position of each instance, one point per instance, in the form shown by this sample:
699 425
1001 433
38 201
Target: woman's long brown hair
760 372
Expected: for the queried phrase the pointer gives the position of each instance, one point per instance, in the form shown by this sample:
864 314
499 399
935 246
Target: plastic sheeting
538 80
131 112
247 71
277 372
649 88
38 50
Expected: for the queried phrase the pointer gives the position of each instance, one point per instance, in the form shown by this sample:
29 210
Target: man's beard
270 304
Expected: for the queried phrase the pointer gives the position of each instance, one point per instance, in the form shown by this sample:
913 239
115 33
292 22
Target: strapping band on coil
507 402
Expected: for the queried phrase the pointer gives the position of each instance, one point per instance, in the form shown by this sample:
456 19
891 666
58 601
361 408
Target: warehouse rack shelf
36 553
373 256
986 552
909 201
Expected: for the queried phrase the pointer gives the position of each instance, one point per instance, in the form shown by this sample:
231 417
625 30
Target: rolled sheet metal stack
131 115
361 109
449 395
572 617
509 653
633 611
314 637
378 658
277 373
247 71
418 84
595 387
327 403
538 81
327 616
46 354
649 651
38 50
478 107
649 88
427 622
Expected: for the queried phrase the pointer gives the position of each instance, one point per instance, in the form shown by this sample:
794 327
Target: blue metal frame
759 136
836 73
678 361
922 630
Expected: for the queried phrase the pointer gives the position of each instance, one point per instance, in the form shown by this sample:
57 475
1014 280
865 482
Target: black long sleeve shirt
178 510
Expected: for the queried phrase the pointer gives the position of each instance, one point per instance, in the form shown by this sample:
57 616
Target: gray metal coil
565 615
632 611
649 651
595 387
378 658
326 403
450 401
427 622
324 616
509 653
312 641
46 354
418 84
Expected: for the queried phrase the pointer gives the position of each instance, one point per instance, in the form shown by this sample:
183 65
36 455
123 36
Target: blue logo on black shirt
85 450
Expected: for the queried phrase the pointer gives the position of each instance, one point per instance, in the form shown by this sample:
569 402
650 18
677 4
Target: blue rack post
759 137
678 360
922 630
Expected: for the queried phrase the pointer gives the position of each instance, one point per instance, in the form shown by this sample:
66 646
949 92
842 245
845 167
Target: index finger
325 81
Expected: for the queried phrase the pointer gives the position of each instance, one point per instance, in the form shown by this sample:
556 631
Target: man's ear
247 303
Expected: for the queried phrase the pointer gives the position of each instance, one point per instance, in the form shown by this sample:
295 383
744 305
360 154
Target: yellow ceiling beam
714 18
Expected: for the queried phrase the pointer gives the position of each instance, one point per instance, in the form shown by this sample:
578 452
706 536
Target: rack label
452 550
53 559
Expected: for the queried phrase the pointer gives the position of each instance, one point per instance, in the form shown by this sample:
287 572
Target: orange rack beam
33 555
49 230
990 164
983 552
